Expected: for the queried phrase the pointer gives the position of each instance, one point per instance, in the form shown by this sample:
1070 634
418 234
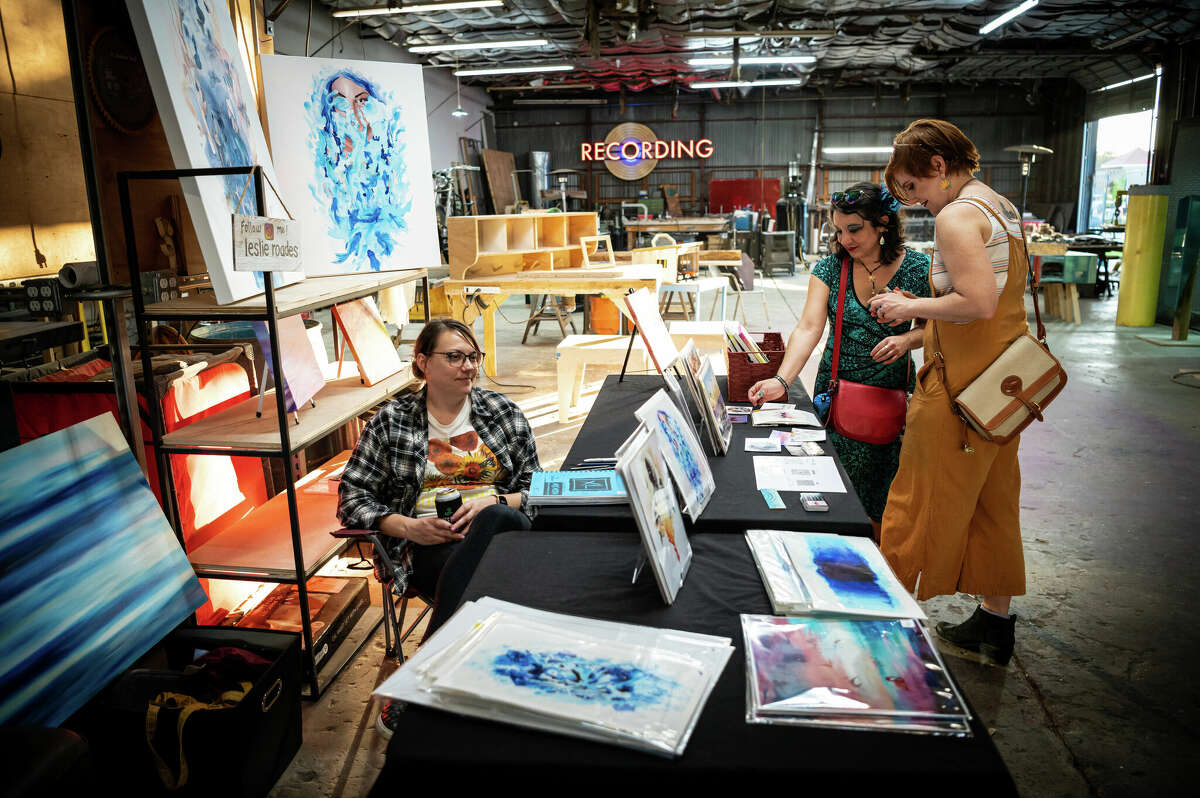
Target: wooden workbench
686 224
465 296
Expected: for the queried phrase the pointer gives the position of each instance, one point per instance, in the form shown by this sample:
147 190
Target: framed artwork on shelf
302 374
365 334
356 141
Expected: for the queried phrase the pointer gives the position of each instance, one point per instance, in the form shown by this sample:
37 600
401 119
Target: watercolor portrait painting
656 511
91 574
356 140
845 666
208 113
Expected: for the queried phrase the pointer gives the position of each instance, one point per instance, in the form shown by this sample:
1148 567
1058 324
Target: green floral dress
870 467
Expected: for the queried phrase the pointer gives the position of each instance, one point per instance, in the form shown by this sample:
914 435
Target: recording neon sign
632 150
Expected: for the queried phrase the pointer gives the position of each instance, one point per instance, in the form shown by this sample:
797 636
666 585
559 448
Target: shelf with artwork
285 539
512 243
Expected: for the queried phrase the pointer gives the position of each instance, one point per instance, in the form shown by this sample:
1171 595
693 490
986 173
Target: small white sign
262 244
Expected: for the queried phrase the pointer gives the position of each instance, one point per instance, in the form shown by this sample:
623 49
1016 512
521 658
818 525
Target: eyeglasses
455 359
851 197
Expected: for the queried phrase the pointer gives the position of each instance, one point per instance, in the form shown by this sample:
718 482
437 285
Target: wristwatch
502 499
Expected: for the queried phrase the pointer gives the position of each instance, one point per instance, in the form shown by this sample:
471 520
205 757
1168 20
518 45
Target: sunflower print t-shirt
457 457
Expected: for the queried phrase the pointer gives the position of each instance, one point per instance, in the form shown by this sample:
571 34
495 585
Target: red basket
744 372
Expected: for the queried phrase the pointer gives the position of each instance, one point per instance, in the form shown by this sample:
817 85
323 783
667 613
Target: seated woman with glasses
869 235
448 435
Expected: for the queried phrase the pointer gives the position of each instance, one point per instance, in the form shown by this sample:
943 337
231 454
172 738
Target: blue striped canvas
91 574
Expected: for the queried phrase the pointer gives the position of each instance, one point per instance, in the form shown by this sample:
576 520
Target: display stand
239 431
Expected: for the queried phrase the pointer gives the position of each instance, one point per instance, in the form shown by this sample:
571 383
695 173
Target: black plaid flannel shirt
387 469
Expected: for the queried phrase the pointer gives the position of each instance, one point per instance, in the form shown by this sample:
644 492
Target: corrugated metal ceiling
640 44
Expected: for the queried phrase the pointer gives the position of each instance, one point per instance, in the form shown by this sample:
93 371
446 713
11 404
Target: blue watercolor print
561 674
357 143
216 102
849 575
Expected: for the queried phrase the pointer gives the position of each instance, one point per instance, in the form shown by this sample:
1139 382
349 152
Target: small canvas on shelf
302 375
367 337
656 511
682 451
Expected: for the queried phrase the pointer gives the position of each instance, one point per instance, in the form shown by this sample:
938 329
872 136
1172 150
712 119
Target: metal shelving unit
240 552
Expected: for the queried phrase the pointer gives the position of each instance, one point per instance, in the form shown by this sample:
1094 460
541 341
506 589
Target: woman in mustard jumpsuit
952 518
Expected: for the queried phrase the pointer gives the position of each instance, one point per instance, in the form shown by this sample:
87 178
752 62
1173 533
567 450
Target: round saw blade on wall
636 167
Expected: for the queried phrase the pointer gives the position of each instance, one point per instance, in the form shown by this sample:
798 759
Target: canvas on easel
643 307
648 481
302 375
364 332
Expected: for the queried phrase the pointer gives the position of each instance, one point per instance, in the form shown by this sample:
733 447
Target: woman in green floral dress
869 234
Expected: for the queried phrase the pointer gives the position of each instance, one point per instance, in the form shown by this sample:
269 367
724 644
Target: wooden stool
577 352
547 307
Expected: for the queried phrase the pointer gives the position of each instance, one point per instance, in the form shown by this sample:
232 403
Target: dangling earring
944 184
881 241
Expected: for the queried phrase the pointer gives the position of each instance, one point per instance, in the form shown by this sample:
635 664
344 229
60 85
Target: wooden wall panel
42 192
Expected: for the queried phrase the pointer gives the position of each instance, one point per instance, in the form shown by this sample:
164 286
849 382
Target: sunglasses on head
851 197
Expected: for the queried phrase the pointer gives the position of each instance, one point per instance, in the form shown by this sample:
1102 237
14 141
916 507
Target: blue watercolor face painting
569 677
214 98
357 142
849 575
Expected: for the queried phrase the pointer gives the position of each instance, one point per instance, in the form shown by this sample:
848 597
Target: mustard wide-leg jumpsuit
953 518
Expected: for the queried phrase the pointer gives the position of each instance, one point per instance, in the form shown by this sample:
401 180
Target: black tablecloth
735 506
589 574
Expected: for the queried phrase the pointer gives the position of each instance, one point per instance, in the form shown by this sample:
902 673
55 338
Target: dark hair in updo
428 337
875 203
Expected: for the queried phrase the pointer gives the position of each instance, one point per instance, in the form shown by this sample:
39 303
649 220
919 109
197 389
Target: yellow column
1141 260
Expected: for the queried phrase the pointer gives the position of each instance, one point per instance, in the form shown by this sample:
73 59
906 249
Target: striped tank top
997 247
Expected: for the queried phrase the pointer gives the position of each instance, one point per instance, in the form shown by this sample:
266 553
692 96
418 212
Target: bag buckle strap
1011 386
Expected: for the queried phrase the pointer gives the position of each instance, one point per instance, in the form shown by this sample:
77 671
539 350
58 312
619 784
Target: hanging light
458 112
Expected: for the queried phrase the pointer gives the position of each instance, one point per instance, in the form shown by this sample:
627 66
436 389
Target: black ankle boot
988 634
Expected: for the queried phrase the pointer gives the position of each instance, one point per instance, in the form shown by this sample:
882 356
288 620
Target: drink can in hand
446 502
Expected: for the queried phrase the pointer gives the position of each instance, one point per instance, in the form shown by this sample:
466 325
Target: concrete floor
1101 697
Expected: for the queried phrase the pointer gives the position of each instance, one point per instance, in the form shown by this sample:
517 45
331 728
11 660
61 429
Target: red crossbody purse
861 412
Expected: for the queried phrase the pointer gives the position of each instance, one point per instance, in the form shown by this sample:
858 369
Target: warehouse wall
444 130
758 133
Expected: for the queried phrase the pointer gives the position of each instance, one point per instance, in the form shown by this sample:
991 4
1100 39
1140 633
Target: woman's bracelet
782 382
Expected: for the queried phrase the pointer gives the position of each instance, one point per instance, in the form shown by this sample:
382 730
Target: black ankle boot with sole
990 635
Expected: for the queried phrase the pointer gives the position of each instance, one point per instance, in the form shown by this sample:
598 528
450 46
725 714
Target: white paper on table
808 474
777 406
762 445
800 434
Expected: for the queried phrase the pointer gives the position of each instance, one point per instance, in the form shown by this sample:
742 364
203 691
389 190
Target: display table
735 507
588 574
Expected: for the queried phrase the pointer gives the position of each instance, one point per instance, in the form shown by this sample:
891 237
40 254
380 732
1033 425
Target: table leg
563 371
1073 292
489 340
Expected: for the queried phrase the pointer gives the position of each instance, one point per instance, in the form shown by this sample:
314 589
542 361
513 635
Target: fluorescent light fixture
561 101
855 150
506 43
725 61
758 34
1007 16
415 8
729 84
514 70
1127 82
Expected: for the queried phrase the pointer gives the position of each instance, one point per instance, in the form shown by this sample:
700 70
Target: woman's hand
896 307
765 391
890 349
427 531
463 516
